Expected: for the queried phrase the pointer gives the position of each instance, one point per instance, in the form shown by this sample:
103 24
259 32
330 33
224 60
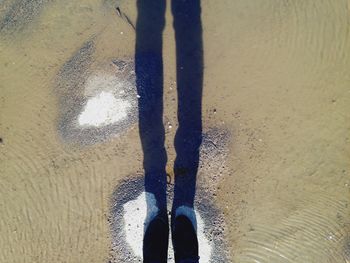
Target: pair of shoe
184 238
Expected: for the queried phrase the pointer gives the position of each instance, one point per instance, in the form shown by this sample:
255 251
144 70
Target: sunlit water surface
276 77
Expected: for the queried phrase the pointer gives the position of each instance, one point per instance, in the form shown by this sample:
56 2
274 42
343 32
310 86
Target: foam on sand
135 213
104 109
132 208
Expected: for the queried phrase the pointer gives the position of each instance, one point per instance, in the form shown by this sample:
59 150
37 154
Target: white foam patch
135 213
103 109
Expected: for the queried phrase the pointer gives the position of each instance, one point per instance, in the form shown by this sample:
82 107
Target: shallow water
276 80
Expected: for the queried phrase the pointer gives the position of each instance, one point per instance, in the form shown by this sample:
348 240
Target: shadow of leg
149 81
189 70
189 55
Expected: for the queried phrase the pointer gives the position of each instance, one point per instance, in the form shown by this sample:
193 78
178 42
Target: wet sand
276 79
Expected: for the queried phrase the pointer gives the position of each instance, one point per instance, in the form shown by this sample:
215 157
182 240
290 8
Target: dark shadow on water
189 73
149 80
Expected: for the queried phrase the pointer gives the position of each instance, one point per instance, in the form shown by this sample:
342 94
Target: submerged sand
276 80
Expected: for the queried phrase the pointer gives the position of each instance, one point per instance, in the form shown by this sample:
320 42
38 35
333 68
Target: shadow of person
149 81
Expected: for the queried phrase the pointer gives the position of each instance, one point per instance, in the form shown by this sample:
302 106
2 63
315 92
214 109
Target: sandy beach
275 115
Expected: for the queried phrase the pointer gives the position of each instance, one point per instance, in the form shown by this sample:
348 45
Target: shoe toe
155 242
185 240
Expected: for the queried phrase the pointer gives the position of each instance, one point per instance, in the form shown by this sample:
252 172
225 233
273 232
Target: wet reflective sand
275 80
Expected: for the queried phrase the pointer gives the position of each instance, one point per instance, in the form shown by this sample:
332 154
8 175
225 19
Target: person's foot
155 240
185 241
